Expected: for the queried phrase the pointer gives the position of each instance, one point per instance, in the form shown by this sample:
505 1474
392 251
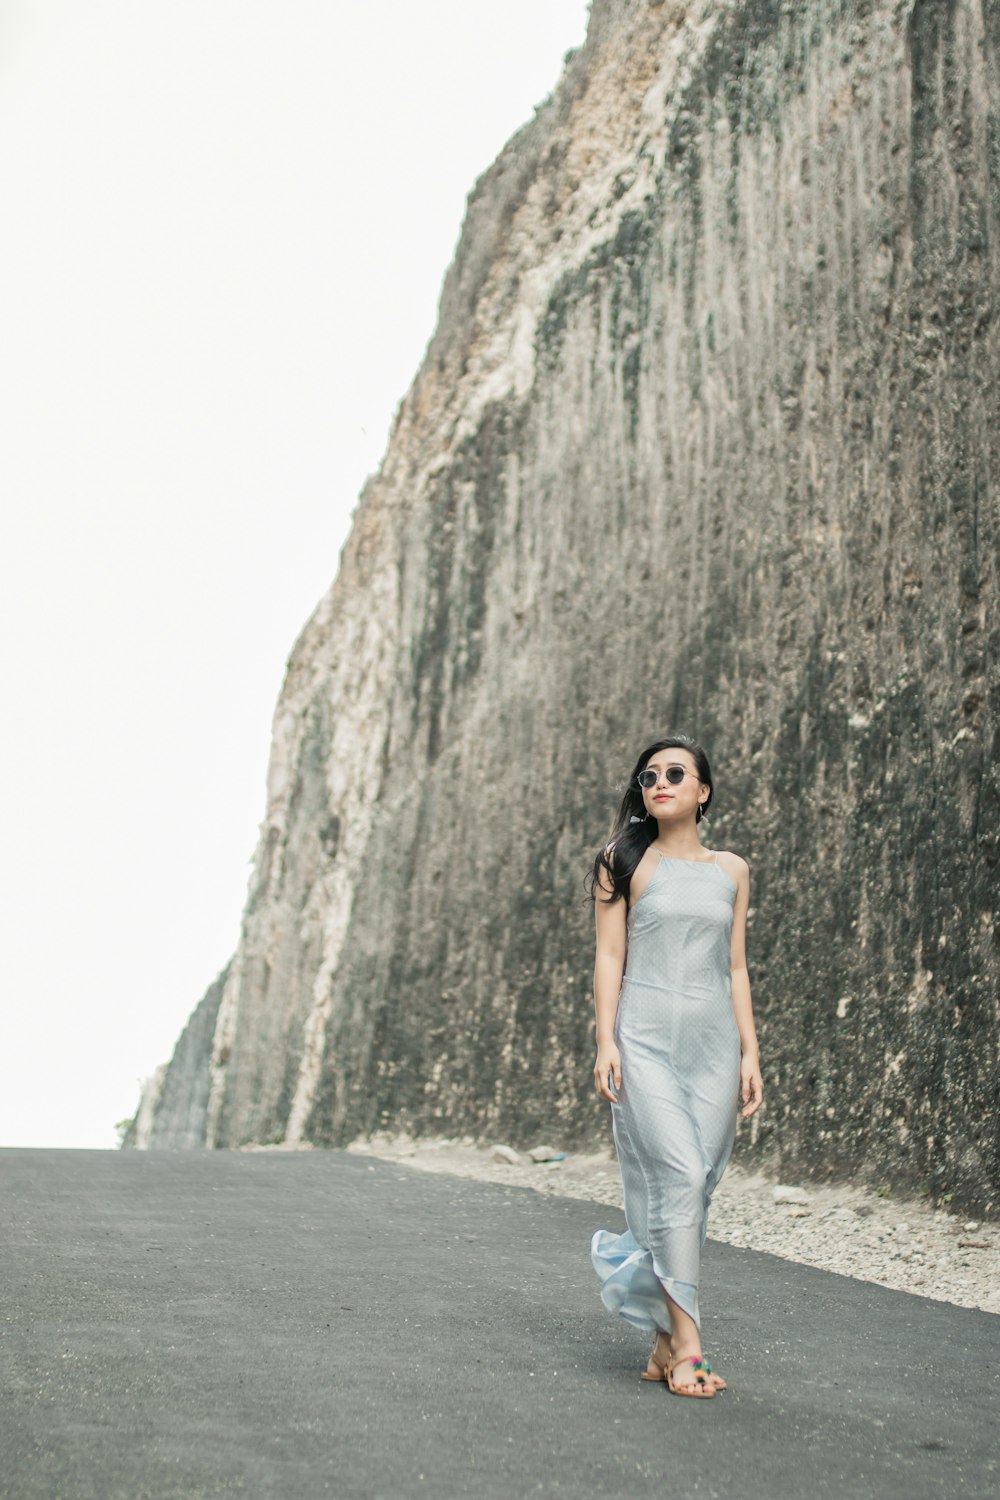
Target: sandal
701 1369
659 1365
661 1374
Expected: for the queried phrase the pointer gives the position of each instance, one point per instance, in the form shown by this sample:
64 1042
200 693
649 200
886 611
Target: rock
783 1194
507 1154
545 1153
604 376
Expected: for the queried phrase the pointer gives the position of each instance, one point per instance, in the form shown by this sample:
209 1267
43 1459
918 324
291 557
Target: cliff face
706 441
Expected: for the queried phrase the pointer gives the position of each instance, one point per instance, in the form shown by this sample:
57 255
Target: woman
676 1047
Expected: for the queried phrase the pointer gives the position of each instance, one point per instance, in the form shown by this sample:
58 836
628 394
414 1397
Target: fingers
752 1095
608 1075
601 1084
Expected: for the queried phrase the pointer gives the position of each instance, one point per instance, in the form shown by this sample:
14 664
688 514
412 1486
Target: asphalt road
299 1324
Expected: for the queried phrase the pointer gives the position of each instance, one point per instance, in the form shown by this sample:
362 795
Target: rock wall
705 441
174 1103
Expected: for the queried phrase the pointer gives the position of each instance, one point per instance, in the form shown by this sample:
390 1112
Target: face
665 801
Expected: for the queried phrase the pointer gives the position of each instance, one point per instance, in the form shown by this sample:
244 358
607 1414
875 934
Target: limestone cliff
705 441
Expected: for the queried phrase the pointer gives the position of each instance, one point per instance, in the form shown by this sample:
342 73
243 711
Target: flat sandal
662 1374
701 1369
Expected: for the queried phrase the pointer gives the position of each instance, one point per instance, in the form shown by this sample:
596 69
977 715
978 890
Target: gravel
860 1231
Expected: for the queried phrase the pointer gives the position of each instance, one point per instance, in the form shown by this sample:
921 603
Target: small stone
507 1154
971 1224
799 1213
784 1194
544 1153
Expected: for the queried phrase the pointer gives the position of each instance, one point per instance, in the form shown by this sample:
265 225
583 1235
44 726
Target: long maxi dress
675 1120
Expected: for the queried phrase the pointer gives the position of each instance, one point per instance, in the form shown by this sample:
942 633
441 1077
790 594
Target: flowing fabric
675 1120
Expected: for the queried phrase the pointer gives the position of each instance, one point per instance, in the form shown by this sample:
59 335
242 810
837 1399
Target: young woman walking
676 1047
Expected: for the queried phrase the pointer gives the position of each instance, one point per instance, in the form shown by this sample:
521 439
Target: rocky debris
851 1230
505 1153
782 1194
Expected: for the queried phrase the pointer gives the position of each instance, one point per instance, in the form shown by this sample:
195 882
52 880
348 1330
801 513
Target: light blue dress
675 1121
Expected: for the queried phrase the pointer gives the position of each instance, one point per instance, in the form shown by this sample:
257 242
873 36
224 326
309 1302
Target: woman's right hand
608 1061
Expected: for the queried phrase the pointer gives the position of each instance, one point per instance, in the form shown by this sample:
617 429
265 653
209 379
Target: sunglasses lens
675 775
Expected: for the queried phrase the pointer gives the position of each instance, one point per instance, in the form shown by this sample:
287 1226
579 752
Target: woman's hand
751 1084
608 1061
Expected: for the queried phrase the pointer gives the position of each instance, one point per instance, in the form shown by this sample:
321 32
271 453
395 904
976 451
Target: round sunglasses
675 775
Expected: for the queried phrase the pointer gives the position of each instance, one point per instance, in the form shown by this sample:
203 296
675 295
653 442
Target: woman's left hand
751 1084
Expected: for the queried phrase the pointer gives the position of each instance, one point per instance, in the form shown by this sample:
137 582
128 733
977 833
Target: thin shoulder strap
716 856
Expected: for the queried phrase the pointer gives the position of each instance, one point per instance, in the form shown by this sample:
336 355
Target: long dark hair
628 840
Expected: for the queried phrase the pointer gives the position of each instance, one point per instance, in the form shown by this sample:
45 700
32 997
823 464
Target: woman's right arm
609 966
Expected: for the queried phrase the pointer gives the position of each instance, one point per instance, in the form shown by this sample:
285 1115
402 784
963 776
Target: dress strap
716 856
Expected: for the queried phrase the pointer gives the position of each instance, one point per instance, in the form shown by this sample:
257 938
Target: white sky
226 223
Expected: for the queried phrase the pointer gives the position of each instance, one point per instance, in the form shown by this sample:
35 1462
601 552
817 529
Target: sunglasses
675 775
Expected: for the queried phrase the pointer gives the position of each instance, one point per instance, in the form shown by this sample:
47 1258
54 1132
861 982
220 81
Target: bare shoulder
735 866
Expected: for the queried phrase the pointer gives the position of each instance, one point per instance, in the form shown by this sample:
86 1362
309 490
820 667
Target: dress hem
633 1282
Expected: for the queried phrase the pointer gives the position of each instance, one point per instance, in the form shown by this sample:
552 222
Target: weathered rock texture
706 441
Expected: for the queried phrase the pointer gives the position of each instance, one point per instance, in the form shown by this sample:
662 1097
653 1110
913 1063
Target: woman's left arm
751 1083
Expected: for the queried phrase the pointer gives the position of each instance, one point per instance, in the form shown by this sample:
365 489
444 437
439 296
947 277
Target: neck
680 841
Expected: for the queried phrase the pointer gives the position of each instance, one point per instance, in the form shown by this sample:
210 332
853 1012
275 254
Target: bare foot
688 1378
663 1354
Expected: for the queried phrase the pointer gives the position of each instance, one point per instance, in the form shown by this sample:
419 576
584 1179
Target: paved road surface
300 1324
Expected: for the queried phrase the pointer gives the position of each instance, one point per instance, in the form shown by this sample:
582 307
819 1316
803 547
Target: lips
663 797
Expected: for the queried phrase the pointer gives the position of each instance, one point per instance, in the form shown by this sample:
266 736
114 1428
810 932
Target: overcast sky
226 223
